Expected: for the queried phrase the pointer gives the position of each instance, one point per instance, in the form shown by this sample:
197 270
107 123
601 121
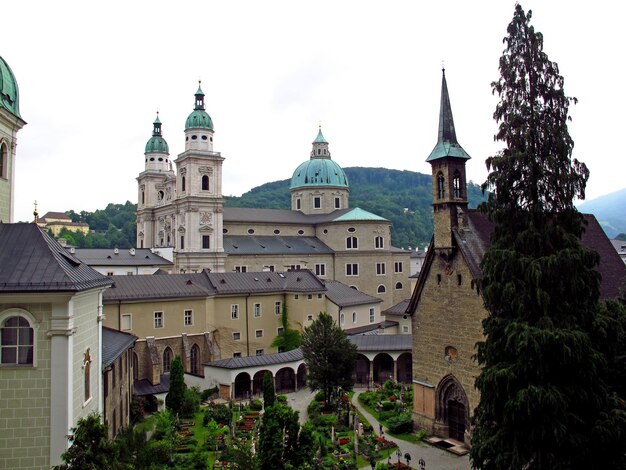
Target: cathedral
183 210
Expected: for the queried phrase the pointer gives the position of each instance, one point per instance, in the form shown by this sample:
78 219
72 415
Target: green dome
9 93
157 144
319 172
199 119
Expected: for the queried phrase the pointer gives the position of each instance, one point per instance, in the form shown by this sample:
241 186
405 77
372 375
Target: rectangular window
206 242
372 315
234 312
352 269
269 268
309 296
309 317
258 333
182 242
298 204
236 336
317 202
277 308
337 203
158 319
296 296
110 273
405 328
129 273
380 269
352 243
241 269
397 266
320 270
320 296
188 318
236 354
259 352
127 322
293 267
257 310
279 330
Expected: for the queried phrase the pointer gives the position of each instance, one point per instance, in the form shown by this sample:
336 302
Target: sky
92 75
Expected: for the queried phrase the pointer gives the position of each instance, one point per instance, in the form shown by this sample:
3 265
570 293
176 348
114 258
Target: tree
175 398
91 448
289 339
278 437
329 355
269 393
545 402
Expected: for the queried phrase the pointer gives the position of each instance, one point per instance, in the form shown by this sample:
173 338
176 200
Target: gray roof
144 387
398 309
114 344
285 216
620 246
255 361
273 245
123 257
372 329
206 284
382 342
32 261
345 296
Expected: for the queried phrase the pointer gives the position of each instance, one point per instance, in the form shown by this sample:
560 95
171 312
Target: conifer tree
544 396
269 392
176 396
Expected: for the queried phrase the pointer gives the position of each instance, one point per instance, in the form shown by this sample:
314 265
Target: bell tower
448 172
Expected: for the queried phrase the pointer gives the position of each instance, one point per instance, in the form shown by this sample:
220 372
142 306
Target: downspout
247 329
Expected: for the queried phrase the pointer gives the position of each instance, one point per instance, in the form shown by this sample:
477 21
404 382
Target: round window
351 230
250 231
225 230
325 231
276 232
300 232
204 137
194 137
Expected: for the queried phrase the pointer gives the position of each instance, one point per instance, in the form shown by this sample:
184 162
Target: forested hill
403 197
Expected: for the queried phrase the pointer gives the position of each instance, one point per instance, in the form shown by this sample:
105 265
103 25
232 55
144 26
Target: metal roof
32 261
114 344
382 342
268 245
119 257
358 214
345 296
255 361
373 329
144 387
397 309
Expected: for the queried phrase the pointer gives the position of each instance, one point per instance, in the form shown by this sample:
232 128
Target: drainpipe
247 328
119 315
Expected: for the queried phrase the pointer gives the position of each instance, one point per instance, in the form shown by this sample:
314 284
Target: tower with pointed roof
447 160
10 123
319 185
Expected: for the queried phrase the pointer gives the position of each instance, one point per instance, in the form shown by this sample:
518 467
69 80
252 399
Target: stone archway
285 380
383 368
405 368
451 408
257 381
242 385
301 376
362 370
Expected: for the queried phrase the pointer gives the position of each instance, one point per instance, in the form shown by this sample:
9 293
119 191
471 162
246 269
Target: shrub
319 396
281 399
208 392
191 402
388 405
256 405
221 414
400 424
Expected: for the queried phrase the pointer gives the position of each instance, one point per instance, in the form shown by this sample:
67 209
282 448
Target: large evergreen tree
545 403
91 448
329 355
175 398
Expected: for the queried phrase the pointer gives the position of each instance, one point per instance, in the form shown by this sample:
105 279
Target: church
447 307
183 210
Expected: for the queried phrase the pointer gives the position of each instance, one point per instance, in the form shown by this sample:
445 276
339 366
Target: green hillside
403 197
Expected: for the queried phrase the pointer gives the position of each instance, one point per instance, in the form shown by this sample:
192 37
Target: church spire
320 146
447 145
199 97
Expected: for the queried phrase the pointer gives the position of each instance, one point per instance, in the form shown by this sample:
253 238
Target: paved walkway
300 401
436 459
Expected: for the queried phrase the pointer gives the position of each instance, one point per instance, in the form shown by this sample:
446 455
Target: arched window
353 317
379 242
352 243
3 160
86 372
342 319
135 366
441 186
381 289
17 341
167 360
182 183
195 359
398 285
456 184
205 182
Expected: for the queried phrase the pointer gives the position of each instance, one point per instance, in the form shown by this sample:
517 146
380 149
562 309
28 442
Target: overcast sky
92 77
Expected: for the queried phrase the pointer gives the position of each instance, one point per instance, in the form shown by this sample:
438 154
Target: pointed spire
320 137
199 97
447 145
36 214
320 146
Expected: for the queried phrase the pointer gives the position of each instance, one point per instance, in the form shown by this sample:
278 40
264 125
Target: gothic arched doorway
452 408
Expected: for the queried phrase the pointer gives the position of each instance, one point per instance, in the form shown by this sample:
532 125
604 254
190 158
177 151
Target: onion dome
157 143
199 118
319 170
9 93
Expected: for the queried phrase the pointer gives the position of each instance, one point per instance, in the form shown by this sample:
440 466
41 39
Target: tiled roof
144 387
108 257
254 361
269 245
382 342
31 261
345 296
208 284
114 344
